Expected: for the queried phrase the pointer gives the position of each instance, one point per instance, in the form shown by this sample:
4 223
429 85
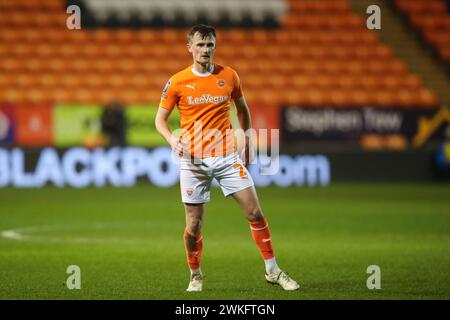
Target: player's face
202 49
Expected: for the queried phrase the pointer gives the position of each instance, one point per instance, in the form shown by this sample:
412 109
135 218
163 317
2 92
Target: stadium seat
372 142
431 19
322 54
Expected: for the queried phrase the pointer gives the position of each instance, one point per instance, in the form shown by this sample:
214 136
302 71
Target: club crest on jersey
221 83
167 86
189 191
207 98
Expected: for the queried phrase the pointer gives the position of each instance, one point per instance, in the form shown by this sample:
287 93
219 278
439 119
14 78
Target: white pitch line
12 234
18 234
26 234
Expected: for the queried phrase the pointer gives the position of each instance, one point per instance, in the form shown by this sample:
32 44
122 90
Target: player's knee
254 214
194 227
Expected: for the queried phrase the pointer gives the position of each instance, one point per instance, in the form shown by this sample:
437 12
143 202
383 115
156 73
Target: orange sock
193 246
261 235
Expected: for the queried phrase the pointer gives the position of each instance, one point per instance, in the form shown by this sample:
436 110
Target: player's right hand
179 146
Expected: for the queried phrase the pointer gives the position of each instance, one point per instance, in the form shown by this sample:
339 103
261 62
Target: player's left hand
248 154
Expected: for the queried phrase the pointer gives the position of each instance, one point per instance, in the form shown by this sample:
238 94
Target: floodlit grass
129 245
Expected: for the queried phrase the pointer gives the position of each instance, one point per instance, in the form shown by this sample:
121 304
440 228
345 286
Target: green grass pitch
128 243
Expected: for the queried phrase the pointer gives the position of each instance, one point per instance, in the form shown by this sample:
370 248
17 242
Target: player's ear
189 46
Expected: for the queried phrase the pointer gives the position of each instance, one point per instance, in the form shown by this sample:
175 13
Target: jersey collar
205 74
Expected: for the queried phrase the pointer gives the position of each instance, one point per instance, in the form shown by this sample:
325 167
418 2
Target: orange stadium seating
321 55
432 19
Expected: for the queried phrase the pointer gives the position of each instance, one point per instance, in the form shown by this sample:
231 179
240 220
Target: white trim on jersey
205 74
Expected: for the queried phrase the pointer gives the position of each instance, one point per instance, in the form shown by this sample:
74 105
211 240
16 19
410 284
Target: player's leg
193 235
249 203
235 180
195 184
193 243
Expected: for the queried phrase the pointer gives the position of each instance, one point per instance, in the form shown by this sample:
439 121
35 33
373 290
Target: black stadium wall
383 166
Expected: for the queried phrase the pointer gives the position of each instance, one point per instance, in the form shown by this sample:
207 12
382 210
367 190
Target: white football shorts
196 179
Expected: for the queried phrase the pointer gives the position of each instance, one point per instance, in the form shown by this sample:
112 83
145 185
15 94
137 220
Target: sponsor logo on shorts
242 171
207 98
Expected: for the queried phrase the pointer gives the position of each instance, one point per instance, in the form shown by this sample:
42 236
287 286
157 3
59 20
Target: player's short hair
204 30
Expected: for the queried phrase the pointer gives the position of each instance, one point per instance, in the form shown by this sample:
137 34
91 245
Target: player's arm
169 100
162 126
243 114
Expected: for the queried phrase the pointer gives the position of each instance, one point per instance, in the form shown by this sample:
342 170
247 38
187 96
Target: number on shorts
242 172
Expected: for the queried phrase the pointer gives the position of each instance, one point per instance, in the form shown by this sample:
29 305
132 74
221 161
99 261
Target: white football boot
282 279
196 283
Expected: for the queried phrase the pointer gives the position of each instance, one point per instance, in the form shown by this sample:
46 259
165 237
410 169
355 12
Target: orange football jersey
204 102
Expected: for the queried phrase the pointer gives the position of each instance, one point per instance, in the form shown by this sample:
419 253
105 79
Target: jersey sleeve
169 96
237 89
